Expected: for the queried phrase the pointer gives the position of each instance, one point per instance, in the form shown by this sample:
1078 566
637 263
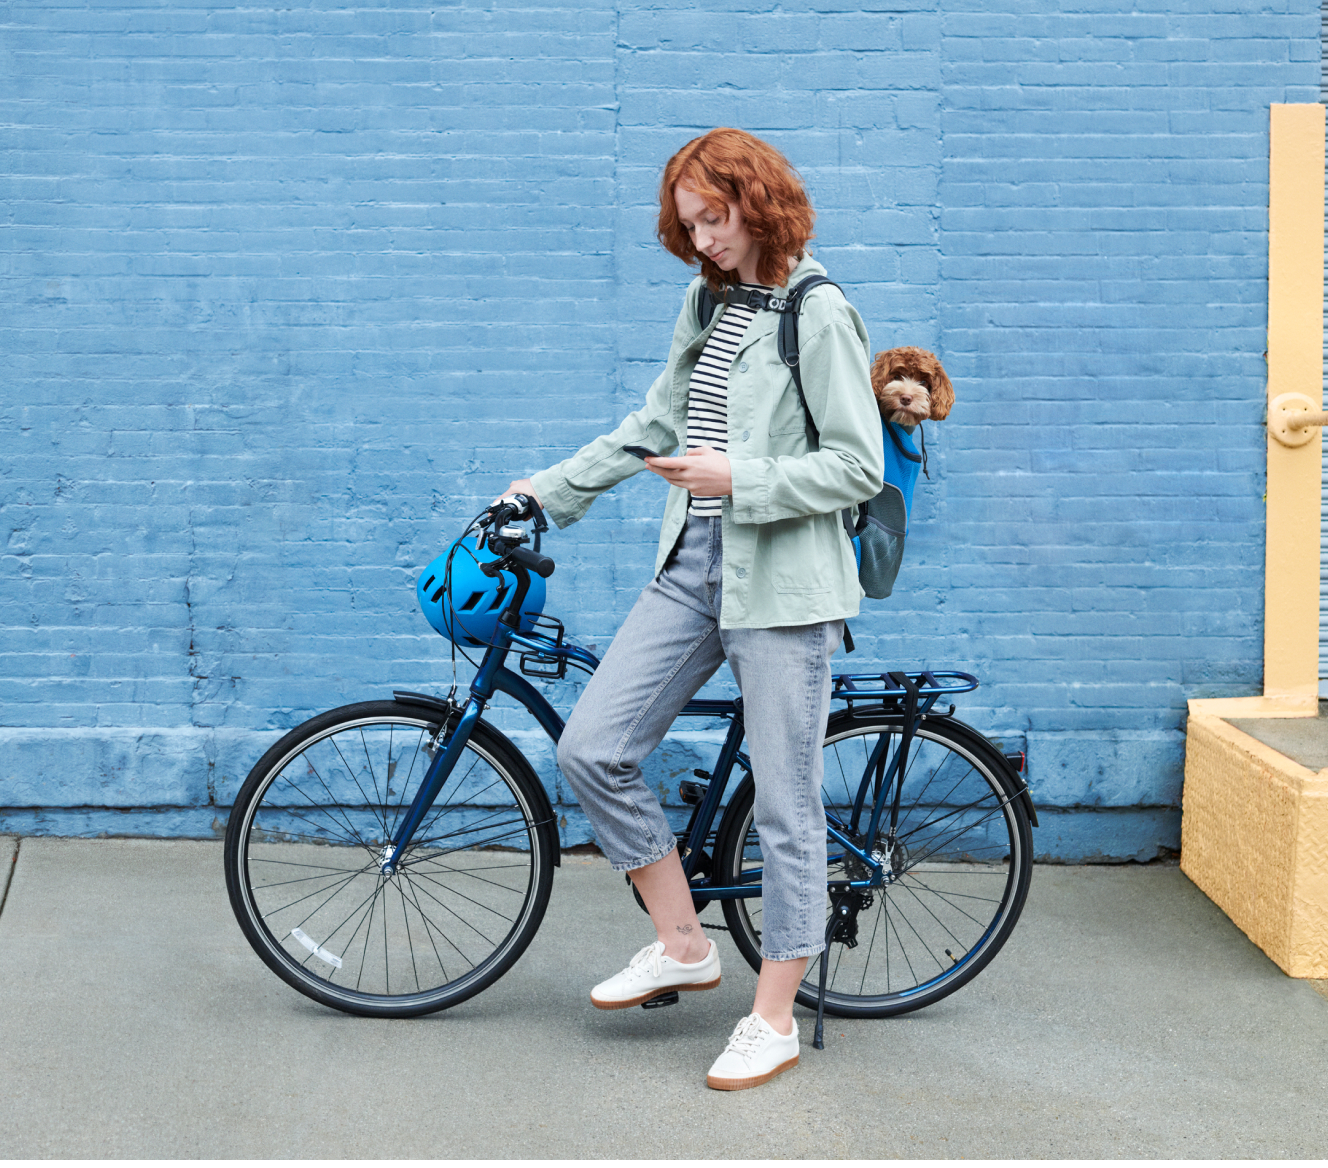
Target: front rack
549 654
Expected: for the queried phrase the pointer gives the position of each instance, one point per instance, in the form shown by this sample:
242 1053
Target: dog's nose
905 401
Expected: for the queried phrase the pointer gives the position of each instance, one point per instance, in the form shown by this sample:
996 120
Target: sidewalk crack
8 876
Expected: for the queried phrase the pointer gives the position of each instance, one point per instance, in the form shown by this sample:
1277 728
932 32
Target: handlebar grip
540 565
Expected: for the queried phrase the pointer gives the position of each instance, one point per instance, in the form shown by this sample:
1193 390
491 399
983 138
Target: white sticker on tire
315 948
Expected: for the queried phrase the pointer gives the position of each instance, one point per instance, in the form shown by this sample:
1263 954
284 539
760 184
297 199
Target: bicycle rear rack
882 689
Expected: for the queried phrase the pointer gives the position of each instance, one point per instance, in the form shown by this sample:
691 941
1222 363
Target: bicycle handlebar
540 565
533 561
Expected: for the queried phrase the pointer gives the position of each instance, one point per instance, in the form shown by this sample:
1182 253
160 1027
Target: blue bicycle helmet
465 605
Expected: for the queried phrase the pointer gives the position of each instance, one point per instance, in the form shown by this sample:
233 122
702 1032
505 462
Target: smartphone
642 452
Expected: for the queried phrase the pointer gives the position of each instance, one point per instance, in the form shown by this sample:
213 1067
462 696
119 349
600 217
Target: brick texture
290 292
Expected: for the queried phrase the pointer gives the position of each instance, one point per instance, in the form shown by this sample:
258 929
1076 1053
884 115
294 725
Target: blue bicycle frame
550 657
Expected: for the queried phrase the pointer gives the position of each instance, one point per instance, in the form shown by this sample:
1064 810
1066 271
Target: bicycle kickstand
818 1040
839 911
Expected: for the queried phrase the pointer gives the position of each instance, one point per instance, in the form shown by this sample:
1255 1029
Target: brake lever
495 515
541 524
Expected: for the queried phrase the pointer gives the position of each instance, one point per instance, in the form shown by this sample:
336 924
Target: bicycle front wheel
960 865
304 846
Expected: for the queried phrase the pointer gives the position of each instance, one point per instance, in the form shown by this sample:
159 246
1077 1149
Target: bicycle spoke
902 951
404 805
459 917
354 837
313 892
462 895
522 829
350 771
429 928
937 919
871 945
471 874
437 927
410 941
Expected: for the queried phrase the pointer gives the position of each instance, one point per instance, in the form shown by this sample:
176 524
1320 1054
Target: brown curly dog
910 386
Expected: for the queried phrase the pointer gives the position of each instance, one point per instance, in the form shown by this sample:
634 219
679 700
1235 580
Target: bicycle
392 858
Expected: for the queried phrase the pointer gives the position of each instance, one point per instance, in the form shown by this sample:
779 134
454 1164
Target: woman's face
724 240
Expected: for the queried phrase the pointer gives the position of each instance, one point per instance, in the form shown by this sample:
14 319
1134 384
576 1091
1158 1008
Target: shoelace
650 955
746 1036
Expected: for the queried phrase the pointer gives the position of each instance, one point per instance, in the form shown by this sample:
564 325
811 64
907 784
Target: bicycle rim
960 868
303 855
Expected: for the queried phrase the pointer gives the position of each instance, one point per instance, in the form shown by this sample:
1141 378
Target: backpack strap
707 303
788 307
788 353
788 338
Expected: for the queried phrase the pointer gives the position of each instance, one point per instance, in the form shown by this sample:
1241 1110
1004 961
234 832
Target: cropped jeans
669 646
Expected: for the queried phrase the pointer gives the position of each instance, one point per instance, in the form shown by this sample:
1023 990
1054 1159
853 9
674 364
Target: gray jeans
669 646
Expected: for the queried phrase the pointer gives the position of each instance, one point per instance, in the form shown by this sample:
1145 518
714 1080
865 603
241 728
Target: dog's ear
942 392
880 376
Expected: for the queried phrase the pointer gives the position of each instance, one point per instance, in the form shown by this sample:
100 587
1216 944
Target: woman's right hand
521 487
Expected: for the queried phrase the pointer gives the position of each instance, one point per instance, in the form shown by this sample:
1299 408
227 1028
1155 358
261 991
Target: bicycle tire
303 848
960 873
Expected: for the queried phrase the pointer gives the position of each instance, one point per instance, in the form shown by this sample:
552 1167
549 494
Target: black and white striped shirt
708 393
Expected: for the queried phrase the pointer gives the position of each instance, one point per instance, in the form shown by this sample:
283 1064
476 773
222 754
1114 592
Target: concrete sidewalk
1126 1017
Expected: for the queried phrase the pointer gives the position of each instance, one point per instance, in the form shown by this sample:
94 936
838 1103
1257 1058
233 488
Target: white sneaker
756 1053
650 973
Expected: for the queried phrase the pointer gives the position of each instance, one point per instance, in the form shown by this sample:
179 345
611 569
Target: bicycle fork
444 759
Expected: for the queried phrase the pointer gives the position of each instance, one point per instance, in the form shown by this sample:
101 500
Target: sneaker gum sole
753 1081
626 1002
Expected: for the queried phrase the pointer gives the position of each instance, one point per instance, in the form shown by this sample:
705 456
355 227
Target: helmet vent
471 601
428 584
498 598
434 598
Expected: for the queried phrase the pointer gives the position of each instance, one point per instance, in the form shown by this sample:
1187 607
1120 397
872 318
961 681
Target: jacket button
742 368
746 434
740 572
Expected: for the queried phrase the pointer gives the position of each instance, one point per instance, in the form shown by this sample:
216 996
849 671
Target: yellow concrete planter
1254 837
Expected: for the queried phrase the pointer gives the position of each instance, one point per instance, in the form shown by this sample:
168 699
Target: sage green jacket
787 558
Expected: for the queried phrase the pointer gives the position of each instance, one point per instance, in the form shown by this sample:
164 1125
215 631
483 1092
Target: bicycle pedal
659 1001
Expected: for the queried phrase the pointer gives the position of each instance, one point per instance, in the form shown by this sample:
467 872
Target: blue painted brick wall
289 292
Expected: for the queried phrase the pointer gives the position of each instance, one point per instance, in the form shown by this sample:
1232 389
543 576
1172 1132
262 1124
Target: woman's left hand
703 471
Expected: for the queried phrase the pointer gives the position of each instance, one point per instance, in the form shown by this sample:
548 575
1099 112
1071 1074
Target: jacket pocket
803 558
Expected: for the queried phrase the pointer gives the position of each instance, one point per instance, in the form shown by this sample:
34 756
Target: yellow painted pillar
1295 365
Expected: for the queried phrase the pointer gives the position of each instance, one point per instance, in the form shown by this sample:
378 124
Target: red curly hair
732 166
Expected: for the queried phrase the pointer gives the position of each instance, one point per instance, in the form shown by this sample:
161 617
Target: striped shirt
708 393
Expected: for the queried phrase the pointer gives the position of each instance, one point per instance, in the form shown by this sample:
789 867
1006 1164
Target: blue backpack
882 522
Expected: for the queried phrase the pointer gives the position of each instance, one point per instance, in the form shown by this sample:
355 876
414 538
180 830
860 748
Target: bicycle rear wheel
305 839
961 865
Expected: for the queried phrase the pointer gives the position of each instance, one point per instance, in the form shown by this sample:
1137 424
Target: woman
754 567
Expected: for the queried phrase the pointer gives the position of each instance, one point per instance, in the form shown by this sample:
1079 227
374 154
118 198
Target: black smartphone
643 452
